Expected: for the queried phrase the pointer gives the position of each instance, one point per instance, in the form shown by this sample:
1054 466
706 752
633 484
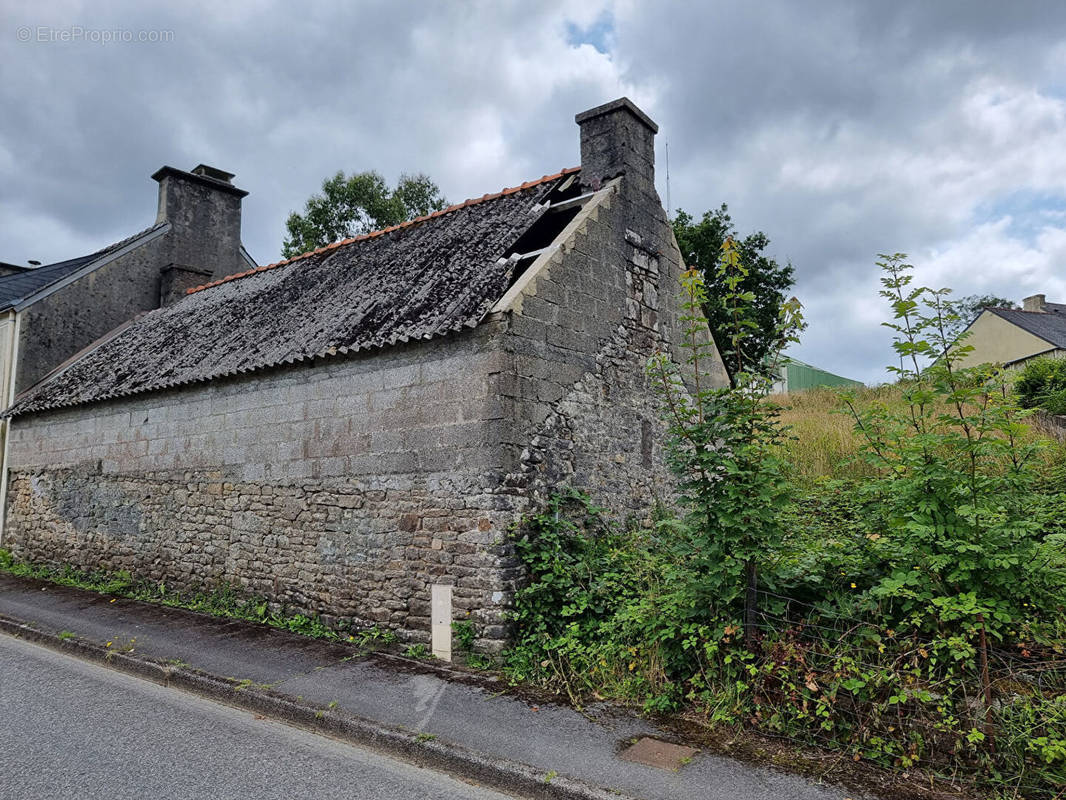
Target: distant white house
1012 336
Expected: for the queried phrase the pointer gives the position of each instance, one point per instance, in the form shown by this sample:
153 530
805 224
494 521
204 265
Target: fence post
986 684
750 600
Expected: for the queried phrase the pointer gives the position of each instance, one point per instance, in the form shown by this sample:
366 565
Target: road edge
433 753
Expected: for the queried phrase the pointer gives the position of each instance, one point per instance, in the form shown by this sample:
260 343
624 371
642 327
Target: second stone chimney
204 209
618 138
1037 302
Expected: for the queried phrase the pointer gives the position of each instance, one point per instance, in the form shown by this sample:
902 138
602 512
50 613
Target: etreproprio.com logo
78 33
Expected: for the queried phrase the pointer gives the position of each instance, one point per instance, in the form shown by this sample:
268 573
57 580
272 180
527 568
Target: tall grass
823 443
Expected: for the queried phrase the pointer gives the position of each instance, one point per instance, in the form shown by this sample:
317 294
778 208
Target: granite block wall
343 488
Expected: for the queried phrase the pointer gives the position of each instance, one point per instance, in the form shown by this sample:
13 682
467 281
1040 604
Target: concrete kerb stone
494 772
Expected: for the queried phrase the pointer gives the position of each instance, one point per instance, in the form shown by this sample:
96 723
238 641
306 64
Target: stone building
352 432
49 313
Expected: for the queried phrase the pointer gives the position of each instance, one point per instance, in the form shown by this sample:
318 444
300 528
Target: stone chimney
1037 302
204 209
618 138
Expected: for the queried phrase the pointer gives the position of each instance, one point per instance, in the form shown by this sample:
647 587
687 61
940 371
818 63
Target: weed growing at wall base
465 635
220 601
419 651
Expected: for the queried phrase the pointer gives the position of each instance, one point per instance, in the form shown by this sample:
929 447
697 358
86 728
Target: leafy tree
360 203
963 559
969 308
763 278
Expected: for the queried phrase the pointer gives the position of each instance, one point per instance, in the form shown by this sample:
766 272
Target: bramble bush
914 617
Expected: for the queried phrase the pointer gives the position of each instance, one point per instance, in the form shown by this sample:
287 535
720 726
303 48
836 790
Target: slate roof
1049 326
419 280
16 288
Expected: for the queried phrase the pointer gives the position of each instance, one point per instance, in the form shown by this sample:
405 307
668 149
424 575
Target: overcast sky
841 129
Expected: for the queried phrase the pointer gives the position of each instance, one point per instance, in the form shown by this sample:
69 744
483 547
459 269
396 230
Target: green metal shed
796 376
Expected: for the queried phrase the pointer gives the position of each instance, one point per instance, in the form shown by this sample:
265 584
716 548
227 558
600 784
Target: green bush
614 613
959 545
1042 384
1054 402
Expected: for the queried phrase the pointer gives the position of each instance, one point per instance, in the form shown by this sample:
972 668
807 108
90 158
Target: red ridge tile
364 236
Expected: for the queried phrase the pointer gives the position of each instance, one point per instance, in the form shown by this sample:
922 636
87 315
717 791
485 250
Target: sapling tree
960 549
723 442
768 282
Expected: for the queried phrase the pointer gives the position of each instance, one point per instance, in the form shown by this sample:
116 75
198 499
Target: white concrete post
441 620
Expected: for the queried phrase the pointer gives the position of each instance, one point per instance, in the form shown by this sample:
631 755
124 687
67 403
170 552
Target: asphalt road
69 729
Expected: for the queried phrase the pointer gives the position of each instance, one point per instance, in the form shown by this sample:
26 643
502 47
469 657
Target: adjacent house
1012 336
49 313
352 432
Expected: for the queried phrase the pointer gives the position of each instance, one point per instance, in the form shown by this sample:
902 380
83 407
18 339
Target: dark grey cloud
841 129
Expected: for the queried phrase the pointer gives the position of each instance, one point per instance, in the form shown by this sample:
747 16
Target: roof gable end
25 288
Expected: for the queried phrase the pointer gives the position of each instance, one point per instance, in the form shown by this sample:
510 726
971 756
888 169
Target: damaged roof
419 280
16 289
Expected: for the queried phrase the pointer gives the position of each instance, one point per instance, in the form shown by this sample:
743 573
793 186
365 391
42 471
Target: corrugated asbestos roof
419 280
16 288
1049 326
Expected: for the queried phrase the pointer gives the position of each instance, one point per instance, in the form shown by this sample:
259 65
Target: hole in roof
564 203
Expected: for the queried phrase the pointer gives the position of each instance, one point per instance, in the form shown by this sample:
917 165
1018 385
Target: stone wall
355 551
586 412
344 487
